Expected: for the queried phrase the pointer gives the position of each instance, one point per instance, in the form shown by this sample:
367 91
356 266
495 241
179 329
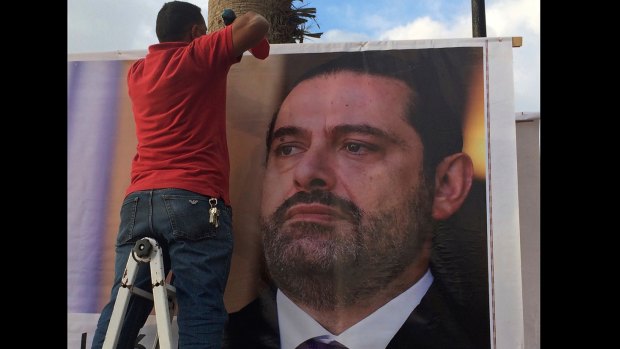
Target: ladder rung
172 292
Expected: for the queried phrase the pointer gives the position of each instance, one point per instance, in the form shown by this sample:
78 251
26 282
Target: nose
315 170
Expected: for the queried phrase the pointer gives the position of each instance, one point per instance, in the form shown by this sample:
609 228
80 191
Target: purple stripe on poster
73 73
91 128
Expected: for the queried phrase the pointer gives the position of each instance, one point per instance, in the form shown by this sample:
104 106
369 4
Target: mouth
314 213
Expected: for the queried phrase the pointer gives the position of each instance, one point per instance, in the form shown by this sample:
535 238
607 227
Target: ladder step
172 292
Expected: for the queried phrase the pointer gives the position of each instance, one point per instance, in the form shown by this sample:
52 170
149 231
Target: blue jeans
198 254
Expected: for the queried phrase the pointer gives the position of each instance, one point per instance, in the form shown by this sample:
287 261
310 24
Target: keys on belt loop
214 213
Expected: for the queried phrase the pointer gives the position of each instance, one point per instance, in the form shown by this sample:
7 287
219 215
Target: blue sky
370 17
112 25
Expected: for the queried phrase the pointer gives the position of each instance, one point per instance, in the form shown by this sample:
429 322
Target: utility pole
478 19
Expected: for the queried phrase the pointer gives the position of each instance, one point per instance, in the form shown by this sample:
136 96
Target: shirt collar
163 46
296 326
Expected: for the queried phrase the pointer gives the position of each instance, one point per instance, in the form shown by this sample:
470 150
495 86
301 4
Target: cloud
110 25
375 22
427 28
520 18
337 35
511 18
504 18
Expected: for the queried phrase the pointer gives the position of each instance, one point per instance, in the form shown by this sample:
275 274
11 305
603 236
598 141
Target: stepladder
146 251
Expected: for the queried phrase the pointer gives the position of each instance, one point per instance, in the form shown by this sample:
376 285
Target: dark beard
323 268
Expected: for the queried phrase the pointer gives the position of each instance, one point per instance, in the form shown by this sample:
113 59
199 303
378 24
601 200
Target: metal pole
478 19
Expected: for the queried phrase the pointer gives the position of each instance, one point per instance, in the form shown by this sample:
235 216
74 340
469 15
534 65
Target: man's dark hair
175 20
434 110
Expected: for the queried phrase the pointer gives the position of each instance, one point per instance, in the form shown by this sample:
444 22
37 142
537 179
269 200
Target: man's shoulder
255 325
136 65
215 48
438 322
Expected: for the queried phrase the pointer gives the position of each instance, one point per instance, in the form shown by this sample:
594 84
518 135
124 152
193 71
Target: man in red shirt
181 170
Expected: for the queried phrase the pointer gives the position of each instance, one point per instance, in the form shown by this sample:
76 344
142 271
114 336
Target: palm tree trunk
277 12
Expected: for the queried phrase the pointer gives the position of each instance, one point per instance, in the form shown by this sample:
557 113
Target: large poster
407 150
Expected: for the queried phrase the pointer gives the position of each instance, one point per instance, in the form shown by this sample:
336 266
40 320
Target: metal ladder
146 250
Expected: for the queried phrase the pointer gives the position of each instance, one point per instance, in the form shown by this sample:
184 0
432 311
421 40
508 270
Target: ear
196 31
453 178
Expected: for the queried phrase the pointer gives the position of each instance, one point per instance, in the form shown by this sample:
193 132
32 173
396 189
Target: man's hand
228 16
247 31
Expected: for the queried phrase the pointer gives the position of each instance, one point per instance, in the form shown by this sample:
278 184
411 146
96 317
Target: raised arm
247 31
261 51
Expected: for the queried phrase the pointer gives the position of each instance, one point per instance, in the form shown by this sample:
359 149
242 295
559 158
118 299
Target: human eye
287 150
358 148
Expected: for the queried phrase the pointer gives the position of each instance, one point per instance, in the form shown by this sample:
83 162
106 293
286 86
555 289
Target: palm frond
299 17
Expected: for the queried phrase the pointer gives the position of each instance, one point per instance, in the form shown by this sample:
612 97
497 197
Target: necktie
315 344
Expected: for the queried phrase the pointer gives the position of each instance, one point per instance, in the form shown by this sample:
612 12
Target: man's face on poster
345 207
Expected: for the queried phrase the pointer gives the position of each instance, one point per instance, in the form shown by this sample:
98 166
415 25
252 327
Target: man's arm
261 51
248 31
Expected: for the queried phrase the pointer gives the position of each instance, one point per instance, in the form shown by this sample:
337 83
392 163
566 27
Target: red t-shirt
261 51
178 94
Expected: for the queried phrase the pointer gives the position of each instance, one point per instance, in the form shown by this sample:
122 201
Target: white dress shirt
372 332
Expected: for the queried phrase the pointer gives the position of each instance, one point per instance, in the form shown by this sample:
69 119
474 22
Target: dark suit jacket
436 323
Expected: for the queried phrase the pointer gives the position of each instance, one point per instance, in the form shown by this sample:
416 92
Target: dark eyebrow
288 131
368 130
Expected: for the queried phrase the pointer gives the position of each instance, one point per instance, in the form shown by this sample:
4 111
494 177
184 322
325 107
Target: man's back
178 92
